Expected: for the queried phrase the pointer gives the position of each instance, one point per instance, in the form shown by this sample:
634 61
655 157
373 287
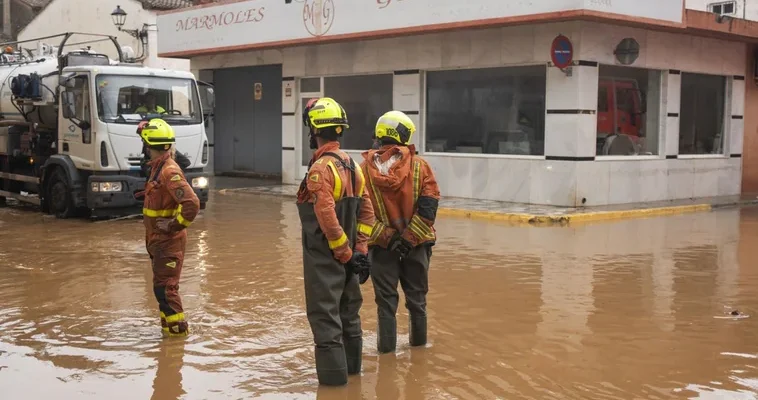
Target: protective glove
360 265
399 245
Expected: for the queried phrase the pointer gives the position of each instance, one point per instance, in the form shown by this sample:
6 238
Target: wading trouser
332 296
413 274
167 261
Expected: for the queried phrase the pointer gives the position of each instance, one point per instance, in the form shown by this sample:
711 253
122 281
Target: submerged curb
526 219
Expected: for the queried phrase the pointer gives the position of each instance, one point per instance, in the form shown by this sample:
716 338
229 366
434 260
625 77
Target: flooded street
637 309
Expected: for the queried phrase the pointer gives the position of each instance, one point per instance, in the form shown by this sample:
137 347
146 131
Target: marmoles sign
239 25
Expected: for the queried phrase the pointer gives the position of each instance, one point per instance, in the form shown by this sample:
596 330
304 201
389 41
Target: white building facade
645 111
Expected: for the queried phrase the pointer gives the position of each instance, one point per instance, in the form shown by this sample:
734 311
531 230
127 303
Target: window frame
726 119
721 5
662 116
424 115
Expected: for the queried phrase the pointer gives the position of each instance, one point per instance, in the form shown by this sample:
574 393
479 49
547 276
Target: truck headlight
107 187
200 182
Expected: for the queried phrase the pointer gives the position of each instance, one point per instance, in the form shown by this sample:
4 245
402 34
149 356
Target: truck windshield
121 97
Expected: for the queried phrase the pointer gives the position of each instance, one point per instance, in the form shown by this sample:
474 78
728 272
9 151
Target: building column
289 130
672 83
571 112
407 95
570 134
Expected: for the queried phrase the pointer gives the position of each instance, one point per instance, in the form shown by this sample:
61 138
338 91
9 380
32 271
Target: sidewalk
537 215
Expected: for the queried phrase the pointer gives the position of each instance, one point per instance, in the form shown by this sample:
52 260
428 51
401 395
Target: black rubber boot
331 366
386 340
417 333
353 354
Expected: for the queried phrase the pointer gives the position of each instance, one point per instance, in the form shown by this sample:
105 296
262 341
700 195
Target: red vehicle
620 111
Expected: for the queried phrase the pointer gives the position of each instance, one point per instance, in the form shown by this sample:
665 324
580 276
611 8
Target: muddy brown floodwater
637 309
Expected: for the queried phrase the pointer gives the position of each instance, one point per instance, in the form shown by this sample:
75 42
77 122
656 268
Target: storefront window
701 119
628 112
491 110
365 98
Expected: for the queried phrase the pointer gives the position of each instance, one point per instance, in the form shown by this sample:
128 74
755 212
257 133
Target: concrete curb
577 218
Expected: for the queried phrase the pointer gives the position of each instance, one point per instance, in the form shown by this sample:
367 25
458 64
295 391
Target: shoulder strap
350 167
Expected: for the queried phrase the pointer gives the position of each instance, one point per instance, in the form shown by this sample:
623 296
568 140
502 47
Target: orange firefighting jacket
167 195
327 182
404 194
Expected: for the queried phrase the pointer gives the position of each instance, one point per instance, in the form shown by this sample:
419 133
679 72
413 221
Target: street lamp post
119 19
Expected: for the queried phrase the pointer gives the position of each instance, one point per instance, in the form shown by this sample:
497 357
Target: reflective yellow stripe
333 244
376 231
160 213
379 203
175 318
182 221
416 181
362 183
337 181
421 229
365 229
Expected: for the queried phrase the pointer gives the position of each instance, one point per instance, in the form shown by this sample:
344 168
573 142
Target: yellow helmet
395 125
158 133
327 112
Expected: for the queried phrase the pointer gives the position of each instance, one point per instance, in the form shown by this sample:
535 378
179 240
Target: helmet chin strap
312 141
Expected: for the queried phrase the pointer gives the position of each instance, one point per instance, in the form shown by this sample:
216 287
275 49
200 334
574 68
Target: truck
621 112
68 126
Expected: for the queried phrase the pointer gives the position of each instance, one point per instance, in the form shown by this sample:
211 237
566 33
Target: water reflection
633 309
168 376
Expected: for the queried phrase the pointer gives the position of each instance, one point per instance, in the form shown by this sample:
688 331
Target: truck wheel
59 196
2 202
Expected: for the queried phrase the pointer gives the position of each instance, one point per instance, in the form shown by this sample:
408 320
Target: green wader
332 295
413 274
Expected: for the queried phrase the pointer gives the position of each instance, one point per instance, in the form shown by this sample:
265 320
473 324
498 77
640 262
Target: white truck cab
68 129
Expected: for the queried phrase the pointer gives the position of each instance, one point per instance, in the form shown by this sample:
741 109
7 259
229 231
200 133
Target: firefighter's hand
399 245
163 225
360 265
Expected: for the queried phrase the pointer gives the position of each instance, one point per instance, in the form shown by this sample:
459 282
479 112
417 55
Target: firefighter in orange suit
337 218
405 197
170 207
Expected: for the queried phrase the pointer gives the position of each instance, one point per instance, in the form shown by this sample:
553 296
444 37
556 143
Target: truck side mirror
66 81
68 103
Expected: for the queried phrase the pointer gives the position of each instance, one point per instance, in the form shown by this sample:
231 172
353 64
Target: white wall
536 179
95 17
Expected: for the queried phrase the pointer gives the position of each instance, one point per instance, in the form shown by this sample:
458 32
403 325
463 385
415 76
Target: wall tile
518 45
624 182
288 167
425 51
486 47
653 180
456 49
681 179
406 92
570 135
736 135
289 130
671 141
289 104
592 183
512 177
738 96
553 183
293 61
392 54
